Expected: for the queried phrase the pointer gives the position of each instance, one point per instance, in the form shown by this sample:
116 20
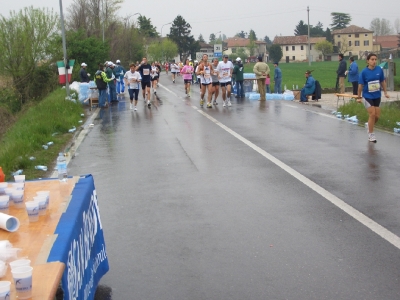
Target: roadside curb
77 139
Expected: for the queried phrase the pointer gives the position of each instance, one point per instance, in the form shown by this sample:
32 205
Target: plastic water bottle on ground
62 167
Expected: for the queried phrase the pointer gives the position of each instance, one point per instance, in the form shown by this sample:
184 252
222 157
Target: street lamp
64 48
163 26
162 46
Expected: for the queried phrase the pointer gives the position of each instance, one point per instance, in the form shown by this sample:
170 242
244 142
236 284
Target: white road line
363 219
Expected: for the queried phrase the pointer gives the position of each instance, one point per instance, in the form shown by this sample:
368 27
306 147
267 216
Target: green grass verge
390 114
324 72
35 127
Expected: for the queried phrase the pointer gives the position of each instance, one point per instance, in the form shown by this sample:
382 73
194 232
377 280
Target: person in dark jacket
83 74
238 72
341 73
352 74
101 81
309 87
111 84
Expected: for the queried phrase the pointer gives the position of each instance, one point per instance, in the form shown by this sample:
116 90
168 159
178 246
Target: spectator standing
238 71
341 73
120 72
101 81
261 70
352 74
83 74
267 84
277 79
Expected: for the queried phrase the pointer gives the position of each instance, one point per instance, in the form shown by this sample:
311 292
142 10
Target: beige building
235 43
354 40
294 48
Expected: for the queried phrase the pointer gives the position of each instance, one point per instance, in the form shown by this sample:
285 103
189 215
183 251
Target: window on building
356 43
293 48
233 50
338 36
302 47
350 43
350 53
357 35
366 43
349 35
310 47
293 57
287 48
339 44
366 34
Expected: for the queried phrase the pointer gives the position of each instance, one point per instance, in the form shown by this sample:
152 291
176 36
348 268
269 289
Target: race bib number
215 73
206 75
146 71
374 86
225 74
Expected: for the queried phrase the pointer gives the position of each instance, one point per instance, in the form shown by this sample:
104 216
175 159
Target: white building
294 48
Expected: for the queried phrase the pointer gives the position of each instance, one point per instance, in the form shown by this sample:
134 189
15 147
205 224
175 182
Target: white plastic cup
42 204
19 185
5 290
17 197
4 203
8 191
32 208
3 186
19 178
44 193
23 281
23 262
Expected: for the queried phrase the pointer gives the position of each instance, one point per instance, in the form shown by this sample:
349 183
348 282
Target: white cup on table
42 204
23 262
19 178
3 186
23 281
5 290
4 203
32 208
17 197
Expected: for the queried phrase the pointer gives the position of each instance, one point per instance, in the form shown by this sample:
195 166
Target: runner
166 66
204 71
187 72
225 76
158 65
371 81
154 77
180 66
174 71
132 79
215 81
145 69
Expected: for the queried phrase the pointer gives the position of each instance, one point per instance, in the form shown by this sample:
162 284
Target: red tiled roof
387 41
352 29
296 40
205 45
240 42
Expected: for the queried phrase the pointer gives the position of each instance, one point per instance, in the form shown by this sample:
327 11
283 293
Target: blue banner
80 243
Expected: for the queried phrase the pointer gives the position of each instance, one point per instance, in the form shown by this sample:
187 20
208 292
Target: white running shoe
229 103
135 109
366 126
223 103
148 103
131 106
371 137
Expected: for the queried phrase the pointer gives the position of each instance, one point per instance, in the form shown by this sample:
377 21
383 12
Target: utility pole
308 38
64 43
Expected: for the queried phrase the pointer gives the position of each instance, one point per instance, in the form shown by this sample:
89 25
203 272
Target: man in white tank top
225 68
204 71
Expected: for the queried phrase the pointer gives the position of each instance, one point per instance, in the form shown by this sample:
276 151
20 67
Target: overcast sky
264 17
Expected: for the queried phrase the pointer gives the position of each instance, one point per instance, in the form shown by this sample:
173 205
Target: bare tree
343 45
397 25
381 27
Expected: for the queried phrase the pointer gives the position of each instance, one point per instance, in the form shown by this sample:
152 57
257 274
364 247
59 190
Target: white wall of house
299 52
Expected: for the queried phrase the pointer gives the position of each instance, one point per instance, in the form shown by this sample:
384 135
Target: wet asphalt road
191 211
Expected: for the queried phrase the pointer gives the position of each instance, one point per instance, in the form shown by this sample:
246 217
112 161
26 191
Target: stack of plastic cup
4 204
23 281
5 289
42 204
19 178
22 262
44 193
17 197
3 186
32 208
20 186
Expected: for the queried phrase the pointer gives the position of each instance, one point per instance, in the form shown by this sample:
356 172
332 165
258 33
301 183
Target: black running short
145 84
215 83
187 81
223 84
154 78
372 102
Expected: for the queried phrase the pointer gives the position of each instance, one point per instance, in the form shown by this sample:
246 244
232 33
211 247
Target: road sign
218 54
217 48
199 56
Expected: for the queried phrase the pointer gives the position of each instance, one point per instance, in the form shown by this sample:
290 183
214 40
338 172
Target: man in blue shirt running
371 82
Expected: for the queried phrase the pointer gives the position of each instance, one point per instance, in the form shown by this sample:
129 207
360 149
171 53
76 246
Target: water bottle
62 167
285 88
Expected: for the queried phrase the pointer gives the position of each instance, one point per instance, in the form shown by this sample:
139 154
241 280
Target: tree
25 41
252 35
328 35
317 31
342 45
180 34
212 38
146 28
340 20
251 47
267 40
241 34
164 51
397 25
301 29
275 53
201 39
381 27
324 47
